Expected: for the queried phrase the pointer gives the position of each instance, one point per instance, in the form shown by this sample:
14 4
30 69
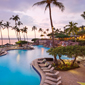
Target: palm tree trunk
24 36
27 36
15 23
8 35
51 24
1 36
20 35
17 36
35 33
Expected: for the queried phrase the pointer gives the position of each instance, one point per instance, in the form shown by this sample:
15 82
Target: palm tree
44 33
48 5
71 28
33 29
15 28
22 30
1 26
83 15
40 30
15 18
25 31
7 26
47 30
19 23
18 35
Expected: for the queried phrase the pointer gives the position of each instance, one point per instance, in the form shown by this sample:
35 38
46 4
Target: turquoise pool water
15 68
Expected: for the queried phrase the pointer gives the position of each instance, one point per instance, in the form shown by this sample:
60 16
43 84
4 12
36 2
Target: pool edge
39 71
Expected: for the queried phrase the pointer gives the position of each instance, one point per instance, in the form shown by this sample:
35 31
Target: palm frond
46 7
40 3
59 4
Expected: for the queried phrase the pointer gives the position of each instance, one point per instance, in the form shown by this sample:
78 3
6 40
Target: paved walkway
72 77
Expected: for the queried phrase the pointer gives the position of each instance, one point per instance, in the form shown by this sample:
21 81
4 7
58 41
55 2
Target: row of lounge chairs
51 77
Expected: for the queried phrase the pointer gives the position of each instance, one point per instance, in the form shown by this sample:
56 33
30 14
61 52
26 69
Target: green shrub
34 39
21 42
65 67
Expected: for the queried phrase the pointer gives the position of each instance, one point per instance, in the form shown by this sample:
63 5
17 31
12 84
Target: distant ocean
12 40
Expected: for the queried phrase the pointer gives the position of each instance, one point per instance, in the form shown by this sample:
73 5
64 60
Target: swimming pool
15 68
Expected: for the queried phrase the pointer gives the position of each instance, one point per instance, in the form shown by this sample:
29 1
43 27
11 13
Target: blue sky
36 16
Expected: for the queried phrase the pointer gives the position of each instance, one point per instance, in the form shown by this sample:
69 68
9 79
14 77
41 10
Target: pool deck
35 65
71 77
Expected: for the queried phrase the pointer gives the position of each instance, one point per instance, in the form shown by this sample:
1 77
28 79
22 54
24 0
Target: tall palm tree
47 30
83 15
15 18
18 35
7 26
71 28
25 31
48 5
19 23
40 30
22 30
1 26
15 29
33 29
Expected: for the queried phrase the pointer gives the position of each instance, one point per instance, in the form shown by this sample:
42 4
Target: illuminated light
80 28
18 58
75 72
82 83
42 50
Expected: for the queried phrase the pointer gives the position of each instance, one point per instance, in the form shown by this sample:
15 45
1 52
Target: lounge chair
46 67
53 79
51 74
52 83
42 61
45 84
49 69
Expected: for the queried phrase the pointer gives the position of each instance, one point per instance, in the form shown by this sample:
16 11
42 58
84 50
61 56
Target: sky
37 16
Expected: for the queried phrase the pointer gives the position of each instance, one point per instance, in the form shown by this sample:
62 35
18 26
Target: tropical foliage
71 52
21 42
34 39
83 15
71 29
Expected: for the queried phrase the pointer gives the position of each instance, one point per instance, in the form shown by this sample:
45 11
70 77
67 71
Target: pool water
15 68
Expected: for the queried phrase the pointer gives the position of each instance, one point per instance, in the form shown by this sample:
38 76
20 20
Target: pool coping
8 49
42 74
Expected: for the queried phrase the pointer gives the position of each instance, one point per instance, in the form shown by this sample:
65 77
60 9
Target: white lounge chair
45 84
52 83
49 69
53 79
52 74
46 67
42 61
